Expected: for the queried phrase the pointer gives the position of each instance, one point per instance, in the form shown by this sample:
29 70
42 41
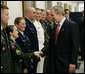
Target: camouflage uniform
18 56
5 53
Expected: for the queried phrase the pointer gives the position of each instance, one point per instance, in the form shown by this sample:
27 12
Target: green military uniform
18 56
50 23
46 43
5 53
47 38
45 32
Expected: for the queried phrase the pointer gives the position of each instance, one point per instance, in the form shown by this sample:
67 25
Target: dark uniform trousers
5 53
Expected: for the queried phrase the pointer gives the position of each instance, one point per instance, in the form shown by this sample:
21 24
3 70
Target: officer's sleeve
74 43
18 54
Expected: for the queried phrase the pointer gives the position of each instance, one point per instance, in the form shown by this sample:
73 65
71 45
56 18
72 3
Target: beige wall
40 4
15 8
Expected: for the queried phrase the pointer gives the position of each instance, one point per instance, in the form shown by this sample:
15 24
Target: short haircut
58 9
28 9
9 29
43 10
47 12
66 10
17 20
3 7
38 9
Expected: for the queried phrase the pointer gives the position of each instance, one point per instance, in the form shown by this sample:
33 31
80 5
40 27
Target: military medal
18 52
12 46
2 37
3 48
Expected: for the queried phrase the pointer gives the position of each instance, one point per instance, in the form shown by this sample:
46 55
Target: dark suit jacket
81 27
31 32
65 51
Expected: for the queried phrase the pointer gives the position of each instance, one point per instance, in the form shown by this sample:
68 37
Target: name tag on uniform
3 48
23 40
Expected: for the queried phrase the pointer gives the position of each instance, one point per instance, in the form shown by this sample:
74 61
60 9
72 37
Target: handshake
38 53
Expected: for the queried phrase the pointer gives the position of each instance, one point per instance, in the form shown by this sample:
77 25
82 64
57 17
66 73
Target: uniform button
3 48
1 67
20 61
8 47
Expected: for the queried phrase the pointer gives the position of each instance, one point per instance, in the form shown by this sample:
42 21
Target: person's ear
11 34
16 25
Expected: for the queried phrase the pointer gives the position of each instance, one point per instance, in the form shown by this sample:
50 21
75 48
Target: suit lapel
20 34
53 33
31 27
63 27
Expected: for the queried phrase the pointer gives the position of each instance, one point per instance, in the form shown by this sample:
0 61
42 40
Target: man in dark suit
31 32
5 48
65 43
81 29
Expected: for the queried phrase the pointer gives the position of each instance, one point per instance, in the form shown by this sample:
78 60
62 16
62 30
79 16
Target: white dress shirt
40 33
21 32
1 28
61 23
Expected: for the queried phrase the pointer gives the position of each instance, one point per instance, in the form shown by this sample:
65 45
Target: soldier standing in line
5 50
16 52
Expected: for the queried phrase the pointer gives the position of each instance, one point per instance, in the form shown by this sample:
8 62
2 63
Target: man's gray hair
58 9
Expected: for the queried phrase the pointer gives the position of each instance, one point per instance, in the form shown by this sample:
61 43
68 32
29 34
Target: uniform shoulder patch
13 46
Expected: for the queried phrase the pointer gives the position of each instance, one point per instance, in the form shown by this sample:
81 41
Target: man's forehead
4 11
32 9
67 11
52 10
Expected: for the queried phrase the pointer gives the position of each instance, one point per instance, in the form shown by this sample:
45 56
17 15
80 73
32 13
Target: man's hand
37 54
72 68
40 53
25 70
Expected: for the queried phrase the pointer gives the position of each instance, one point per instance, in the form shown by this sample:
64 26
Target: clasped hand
38 53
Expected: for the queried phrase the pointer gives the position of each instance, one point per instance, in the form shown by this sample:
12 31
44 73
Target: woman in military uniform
16 53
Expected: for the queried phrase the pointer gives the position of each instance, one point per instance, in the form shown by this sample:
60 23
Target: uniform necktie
56 34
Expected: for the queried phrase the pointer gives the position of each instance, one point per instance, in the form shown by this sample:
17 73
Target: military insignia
2 37
20 61
1 67
18 52
3 48
12 46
